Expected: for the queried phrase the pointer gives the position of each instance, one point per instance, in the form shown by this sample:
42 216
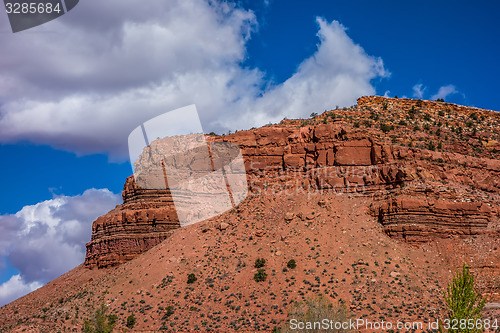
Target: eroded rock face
145 218
417 194
419 220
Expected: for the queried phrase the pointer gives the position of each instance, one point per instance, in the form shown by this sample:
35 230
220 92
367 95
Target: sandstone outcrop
419 220
145 218
434 182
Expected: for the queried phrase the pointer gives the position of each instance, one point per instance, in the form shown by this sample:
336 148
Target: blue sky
71 90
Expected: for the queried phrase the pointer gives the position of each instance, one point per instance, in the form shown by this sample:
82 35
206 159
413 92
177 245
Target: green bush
260 262
112 319
474 116
386 128
291 264
463 302
169 311
191 278
260 275
131 321
100 323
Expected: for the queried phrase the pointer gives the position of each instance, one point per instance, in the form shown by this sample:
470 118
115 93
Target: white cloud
14 288
444 92
336 74
87 82
45 240
418 90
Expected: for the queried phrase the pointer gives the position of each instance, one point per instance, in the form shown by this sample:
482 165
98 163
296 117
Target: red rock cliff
432 182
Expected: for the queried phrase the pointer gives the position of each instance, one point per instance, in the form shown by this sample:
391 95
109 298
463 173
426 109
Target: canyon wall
416 194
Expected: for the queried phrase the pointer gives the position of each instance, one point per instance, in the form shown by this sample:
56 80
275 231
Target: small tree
191 278
386 128
131 321
463 302
100 323
291 264
260 276
260 262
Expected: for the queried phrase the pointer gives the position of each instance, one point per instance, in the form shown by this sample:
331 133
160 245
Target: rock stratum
431 168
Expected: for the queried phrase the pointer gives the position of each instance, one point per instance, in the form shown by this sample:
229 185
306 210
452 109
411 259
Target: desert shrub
440 100
131 321
291 264
260 262
191 278
165 281
112 319
402 123
168 312
427 117
314 114
260 275
441 113
463 302
431 146
386 128
100 323
316 309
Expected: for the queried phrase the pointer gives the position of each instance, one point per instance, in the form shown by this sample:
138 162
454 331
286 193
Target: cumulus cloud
445 91
15 288
336 74
45 240
84 81
418 90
